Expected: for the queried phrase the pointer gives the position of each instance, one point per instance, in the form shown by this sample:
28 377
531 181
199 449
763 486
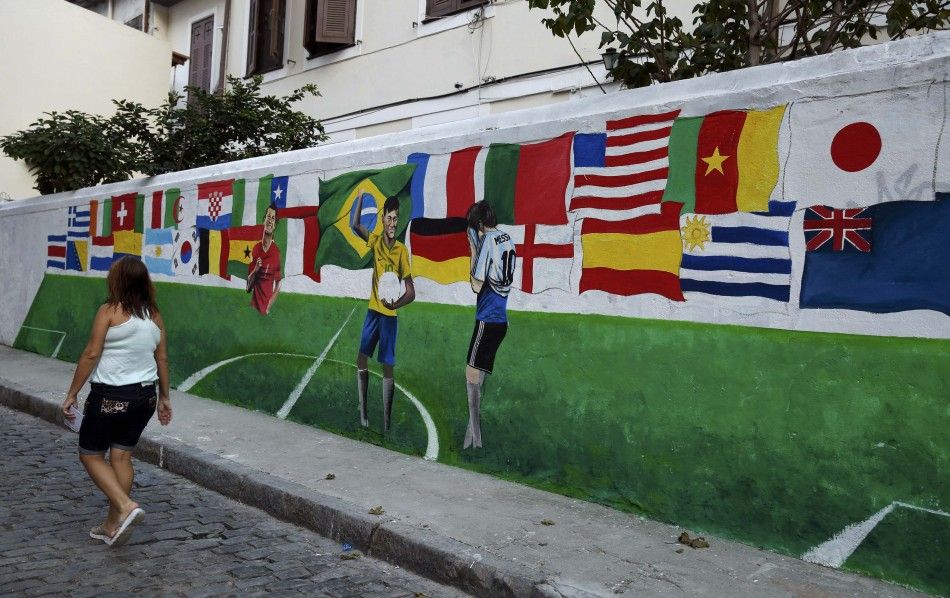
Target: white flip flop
122 534
97 533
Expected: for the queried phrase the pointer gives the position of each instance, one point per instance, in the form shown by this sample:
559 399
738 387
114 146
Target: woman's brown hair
130 287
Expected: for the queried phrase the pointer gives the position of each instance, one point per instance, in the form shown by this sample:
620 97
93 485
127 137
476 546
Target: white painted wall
93 61
180 18
885 76
397 57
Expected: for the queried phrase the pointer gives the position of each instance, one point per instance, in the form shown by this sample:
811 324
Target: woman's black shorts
115 416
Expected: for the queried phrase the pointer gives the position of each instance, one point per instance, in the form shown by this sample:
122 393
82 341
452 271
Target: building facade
91 63
381 65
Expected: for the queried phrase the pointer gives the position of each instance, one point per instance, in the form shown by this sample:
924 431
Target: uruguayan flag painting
742 254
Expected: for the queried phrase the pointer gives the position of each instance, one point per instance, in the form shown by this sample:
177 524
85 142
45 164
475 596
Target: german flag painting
439 249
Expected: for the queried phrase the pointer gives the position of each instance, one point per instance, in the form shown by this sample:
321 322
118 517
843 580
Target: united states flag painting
624 168
832 229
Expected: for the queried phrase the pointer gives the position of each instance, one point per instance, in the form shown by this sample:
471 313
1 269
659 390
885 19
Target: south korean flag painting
185 261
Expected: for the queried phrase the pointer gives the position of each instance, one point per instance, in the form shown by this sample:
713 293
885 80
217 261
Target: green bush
72 149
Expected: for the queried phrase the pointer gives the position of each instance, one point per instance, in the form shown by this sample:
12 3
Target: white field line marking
195 378
295 395
834 552
61 339
432 435
924 509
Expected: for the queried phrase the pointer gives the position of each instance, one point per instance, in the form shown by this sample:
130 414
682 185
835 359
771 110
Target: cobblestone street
192 542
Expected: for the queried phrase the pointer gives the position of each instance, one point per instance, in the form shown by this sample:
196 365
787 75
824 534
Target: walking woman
125 355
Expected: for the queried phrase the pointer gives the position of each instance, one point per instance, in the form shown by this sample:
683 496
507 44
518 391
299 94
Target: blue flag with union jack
884 258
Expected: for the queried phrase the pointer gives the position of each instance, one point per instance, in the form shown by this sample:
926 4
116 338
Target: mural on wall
816 204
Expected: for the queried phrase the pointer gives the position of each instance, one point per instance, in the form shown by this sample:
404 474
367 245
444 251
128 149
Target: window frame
457 7
254 32
317 48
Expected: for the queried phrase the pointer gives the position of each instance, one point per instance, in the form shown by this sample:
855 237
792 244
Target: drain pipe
225 34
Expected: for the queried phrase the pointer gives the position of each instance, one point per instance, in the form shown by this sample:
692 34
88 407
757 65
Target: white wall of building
92 61
901 86
397 58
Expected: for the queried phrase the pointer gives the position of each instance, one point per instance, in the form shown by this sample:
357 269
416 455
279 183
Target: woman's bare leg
105 478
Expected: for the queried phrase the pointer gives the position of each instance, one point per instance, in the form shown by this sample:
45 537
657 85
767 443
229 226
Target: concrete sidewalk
475 532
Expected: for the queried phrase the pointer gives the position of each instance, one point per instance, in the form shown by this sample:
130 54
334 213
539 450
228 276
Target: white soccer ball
390 288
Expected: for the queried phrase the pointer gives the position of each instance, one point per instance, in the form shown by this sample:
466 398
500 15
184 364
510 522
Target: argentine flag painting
159 250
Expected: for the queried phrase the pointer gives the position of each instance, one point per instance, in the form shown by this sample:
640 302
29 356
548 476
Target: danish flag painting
832 229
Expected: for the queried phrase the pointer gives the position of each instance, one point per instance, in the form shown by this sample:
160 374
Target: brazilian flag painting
339 245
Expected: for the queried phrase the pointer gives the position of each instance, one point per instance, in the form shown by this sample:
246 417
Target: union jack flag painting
834 229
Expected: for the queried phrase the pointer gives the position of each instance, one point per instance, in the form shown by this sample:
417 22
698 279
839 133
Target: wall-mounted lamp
610 57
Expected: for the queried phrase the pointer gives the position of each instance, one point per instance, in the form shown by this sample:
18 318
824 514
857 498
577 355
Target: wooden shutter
204 78
466 4
438 8
202 41
252 37
336 22
275 33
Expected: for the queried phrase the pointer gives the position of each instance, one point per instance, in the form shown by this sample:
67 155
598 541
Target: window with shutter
442 8
199 66
265 36
330 26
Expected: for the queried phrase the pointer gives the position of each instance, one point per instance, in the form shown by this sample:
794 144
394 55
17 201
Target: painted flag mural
126 243
158 251
101 254
303 228
185 260
77 238
241 242
56 252
213 252
635 256
215 204
545 257
725 161
830 229
524 183
439 249
445 185
858 151
164 209
901 265
126 212
527 183
625 168
278 191
339 245
743 254
100 218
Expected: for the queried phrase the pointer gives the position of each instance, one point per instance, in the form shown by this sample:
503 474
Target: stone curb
426 553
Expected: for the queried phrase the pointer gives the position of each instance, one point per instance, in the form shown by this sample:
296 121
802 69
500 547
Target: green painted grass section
908 547
775 438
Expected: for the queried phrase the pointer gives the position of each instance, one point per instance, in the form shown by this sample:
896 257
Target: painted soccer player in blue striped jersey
492 272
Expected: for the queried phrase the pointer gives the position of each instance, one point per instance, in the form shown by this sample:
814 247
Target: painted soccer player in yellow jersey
389 256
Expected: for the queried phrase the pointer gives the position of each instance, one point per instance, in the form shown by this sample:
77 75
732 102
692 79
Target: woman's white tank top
128 355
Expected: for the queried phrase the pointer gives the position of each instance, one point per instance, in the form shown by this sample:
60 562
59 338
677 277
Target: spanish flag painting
636 256
725 161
